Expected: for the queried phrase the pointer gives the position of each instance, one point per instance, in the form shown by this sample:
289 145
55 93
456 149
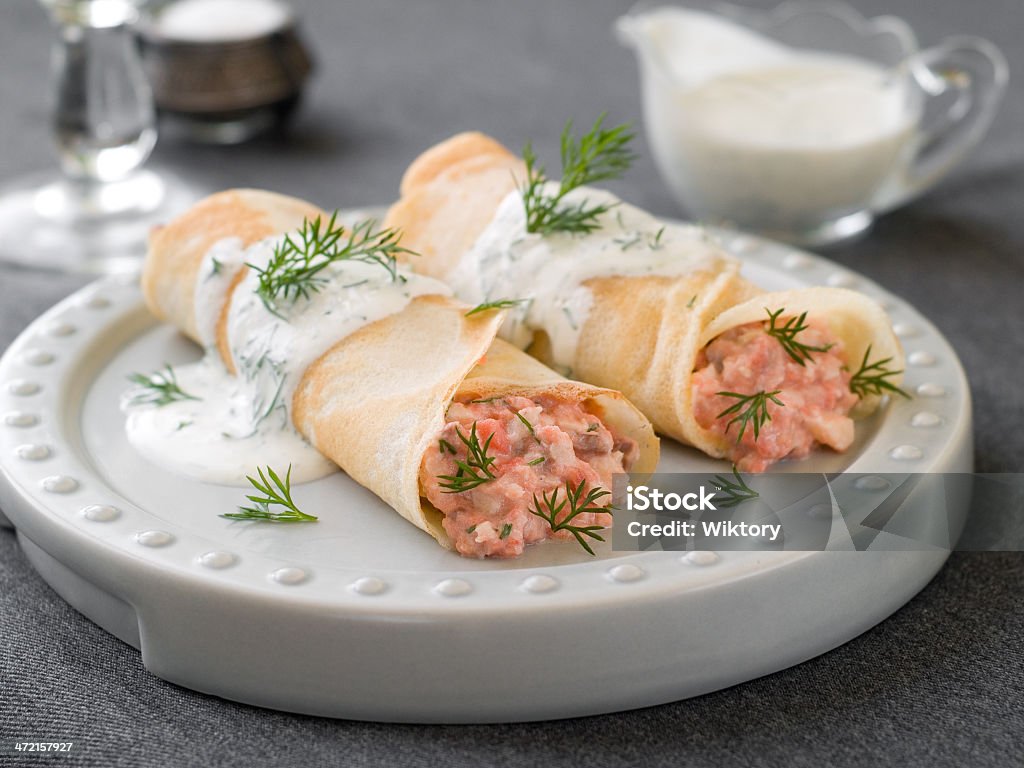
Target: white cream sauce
765 135
243 421
216 273
549 271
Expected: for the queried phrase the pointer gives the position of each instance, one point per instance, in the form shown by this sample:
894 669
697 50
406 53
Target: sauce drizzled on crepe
244 420
550 271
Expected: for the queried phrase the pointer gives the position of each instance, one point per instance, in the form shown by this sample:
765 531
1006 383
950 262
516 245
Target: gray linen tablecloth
939 683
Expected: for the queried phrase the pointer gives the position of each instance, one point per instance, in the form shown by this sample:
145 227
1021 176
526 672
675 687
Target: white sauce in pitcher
549 271
243 421
748 130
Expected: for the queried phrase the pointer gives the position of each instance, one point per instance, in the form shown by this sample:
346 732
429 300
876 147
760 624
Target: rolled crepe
376 400
460 209
176 252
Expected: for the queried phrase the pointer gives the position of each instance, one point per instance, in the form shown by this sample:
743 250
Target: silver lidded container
223 71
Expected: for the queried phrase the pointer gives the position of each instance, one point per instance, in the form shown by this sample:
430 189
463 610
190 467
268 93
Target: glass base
49 222
833 232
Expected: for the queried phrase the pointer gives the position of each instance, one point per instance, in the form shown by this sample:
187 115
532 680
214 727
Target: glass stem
104 119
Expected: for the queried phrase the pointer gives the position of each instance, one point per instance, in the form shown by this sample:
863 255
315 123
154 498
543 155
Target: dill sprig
578 503
786 335
159 388
599 155
528 425
295 267
276 492
498 304
871 378
749 409
475 470
734 493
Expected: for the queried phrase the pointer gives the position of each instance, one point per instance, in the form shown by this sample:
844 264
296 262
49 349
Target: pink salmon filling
493 519
816 396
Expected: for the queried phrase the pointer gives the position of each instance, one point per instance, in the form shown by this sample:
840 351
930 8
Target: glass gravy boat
807 121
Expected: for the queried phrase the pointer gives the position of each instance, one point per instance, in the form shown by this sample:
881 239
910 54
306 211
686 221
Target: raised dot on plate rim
59 484
906 453
905 331
921 359
871 483
154 538
217 559
453 588
290 576
796 261
60 329
21 419
928 389
23 387
97 302
38 357
33 452
841 280
100 513
539 583
821 511
368 586
926 420
626 573
700 557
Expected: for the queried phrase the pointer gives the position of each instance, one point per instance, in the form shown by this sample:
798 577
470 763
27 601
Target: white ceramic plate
363 616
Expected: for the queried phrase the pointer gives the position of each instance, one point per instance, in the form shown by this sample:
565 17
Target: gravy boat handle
963 80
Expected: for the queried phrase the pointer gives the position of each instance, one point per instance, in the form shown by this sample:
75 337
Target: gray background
939 683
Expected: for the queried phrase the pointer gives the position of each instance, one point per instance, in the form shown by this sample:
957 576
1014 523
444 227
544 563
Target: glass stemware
94 214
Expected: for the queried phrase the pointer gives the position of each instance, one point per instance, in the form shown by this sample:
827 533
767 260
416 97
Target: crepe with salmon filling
380 401
655 337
